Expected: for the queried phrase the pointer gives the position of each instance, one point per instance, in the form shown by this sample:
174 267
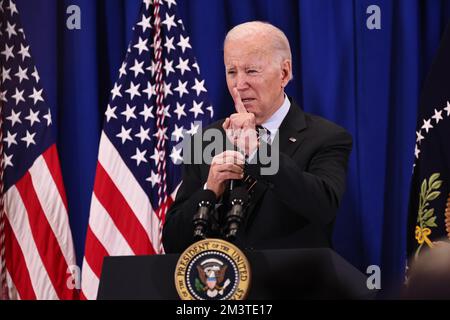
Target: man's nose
241 81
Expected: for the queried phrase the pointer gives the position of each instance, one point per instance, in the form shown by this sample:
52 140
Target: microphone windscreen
239 193
207 195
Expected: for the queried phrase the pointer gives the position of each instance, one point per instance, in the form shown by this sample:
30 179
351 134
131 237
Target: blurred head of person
429 274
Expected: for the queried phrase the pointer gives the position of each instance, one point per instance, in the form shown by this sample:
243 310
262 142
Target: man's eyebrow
254 66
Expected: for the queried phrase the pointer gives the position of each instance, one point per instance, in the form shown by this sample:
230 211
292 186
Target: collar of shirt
274 122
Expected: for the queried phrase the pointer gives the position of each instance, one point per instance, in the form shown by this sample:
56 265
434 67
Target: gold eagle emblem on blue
212 269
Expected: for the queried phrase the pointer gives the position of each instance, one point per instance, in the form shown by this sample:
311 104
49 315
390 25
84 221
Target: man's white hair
275 37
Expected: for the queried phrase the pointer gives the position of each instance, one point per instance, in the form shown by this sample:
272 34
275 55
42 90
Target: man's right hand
228 165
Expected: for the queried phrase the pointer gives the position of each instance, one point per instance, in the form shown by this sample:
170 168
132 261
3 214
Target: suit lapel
290 138
290 132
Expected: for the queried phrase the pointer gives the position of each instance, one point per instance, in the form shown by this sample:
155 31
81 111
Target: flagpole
162 188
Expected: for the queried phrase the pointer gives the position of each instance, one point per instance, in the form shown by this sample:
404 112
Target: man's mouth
247 100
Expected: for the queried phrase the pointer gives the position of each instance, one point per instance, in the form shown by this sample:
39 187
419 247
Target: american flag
35 238
158 97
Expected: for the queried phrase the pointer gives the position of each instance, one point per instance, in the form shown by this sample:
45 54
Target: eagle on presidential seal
212 275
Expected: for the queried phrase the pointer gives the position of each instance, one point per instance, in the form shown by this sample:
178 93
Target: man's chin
251 108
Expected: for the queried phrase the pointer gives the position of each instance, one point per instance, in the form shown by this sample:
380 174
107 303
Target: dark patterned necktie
249 181
261 131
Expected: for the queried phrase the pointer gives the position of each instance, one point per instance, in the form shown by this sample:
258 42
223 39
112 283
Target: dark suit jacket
294 208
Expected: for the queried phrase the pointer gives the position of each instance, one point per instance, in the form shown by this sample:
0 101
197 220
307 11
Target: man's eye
251 71
231 72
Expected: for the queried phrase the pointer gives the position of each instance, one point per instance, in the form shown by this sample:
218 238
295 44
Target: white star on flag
195 65
29 138
3 96
35 75
33 117
161 132
116 91
427 125
448 109
156 157
25 53
143 135
145 23
169 22
184 43
175 155
5 75
154 178
419 136
147 113
7 161
199 87
14 118
110 113
142 45
10 29
169 44
148 3
194 129
37 96
171 3
8 52
437 116
167 89
196 109
168 67
139 156
417 152
129 113
124 135
152 68
150 91
180 110
178 133
18 96
10 139
123 70
22 74
133 91
12 8
48 117
137 68
183 65
181 88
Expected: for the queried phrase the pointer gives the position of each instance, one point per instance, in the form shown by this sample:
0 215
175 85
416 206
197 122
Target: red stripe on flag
48 247
82 296
16 265
52 160
94 253
123 216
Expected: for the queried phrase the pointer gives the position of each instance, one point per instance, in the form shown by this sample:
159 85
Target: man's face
258 75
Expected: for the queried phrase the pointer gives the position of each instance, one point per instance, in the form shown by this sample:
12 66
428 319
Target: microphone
201 218
238 200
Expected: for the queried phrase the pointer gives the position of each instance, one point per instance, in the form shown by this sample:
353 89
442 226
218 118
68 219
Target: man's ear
286 72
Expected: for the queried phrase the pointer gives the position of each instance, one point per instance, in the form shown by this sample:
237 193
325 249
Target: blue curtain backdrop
366 80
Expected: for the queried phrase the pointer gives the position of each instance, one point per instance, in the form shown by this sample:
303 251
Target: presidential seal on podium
212 269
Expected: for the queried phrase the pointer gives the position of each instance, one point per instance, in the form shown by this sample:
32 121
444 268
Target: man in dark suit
290 207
